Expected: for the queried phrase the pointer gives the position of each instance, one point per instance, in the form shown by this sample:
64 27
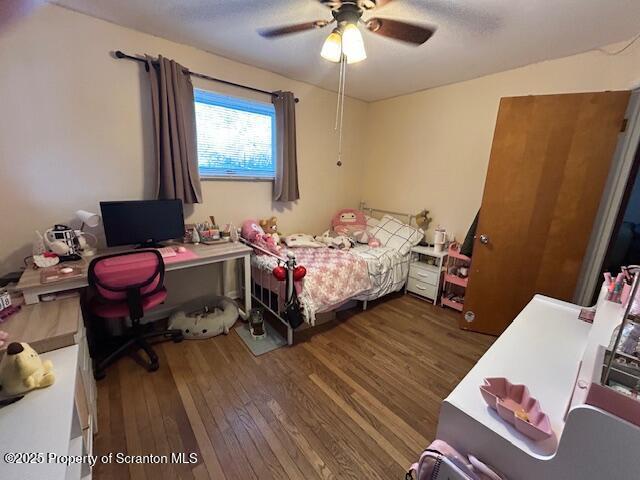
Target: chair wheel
177 338
99 374
153 366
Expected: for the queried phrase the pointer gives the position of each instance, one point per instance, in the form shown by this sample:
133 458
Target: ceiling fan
346 38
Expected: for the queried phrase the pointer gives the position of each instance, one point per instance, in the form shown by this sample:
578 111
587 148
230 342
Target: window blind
236 137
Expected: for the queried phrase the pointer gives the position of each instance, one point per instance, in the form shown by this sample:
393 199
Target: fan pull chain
340 82
341 92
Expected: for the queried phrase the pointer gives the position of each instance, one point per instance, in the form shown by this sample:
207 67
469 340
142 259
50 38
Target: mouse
181 249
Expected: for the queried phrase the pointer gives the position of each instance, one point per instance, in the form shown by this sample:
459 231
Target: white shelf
608 317
430 251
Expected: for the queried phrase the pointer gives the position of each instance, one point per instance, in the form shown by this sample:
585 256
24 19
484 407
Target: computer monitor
143 222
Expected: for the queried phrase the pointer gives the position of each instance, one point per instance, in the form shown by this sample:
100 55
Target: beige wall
74 130
431 149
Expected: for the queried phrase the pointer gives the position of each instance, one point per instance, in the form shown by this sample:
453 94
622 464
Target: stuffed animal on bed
352 223
270 227
253 232
332 240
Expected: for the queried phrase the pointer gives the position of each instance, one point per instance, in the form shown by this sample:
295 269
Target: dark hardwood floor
358 400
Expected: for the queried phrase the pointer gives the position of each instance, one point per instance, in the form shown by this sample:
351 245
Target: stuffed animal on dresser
22 370
270 227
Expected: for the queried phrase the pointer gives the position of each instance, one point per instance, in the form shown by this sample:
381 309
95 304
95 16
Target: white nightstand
425 280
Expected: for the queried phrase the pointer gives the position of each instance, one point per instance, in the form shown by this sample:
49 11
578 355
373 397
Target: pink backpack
440 461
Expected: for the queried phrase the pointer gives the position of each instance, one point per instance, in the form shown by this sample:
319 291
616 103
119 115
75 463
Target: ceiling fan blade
405 32
382 3
286 30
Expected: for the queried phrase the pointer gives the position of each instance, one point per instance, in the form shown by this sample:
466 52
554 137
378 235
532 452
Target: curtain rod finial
119 54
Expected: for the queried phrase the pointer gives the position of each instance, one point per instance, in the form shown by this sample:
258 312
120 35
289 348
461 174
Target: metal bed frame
266 290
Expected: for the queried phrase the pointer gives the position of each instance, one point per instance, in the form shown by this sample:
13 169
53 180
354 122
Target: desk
46 326
32 288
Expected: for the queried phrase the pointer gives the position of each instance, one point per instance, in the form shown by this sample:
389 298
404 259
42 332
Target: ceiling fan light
353 44
332 48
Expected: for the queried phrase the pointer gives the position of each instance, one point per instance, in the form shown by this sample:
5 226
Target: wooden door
549 162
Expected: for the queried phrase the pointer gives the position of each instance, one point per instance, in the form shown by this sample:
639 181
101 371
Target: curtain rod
121 55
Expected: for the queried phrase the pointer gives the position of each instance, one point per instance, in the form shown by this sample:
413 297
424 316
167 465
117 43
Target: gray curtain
285 185
174 122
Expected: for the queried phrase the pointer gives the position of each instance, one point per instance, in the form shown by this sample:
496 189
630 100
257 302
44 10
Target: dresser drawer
423 273
421 288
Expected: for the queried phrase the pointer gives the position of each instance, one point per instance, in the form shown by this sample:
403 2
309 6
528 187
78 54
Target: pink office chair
127 285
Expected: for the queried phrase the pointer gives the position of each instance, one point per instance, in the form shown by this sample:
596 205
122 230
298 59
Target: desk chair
128 285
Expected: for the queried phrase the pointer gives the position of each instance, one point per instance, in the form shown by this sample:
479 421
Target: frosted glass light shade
332 48
353 44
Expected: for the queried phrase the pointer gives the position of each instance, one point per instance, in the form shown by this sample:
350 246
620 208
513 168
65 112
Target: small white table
423 279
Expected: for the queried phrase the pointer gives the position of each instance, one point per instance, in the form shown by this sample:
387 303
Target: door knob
484 239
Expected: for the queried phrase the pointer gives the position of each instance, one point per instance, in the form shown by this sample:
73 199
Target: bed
334 277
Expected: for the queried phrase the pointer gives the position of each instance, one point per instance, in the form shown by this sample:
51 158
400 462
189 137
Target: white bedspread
387 270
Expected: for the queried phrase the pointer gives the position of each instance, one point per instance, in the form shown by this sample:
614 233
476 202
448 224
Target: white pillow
372 222
301 240
392 233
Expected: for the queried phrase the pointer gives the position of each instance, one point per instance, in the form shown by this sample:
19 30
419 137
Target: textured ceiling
473 38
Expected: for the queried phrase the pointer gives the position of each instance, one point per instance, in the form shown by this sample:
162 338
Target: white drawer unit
425 273
420 288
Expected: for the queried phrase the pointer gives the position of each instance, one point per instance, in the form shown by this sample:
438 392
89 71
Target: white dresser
46 424
60 419
425 273
548 349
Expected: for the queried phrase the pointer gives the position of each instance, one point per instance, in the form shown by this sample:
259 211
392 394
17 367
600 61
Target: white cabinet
548 349
46 423
425 273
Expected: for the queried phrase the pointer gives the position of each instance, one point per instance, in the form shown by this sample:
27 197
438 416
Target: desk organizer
615 387
514 404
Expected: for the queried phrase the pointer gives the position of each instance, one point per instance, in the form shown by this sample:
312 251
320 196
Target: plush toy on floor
22 370
205 318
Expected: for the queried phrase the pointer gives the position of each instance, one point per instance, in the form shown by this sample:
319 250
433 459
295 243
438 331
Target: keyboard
167 252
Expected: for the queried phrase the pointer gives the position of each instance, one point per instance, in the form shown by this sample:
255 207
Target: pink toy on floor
253 232
353 223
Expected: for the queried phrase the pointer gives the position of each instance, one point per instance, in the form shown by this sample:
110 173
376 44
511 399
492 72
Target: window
236 137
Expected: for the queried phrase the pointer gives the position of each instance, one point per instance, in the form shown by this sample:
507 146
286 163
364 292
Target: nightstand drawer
421 288
423 273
